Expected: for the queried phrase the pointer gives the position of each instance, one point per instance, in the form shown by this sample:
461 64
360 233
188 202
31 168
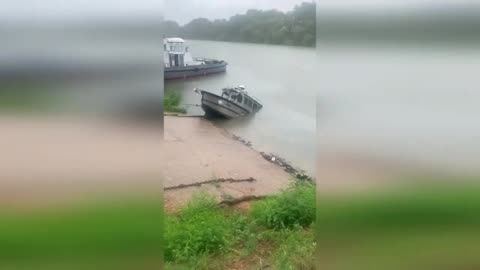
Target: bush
171 100
295 250
200 228
293 207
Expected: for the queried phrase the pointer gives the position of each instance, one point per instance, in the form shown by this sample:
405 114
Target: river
284 78
400 104
406 104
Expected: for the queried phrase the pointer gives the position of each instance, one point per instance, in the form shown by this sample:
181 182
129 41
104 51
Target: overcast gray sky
184 11
83 10
179 10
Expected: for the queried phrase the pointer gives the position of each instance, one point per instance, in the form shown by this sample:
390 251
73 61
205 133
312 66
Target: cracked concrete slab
196 151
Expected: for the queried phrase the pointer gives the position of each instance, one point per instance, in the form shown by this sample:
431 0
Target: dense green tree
296 27
170 28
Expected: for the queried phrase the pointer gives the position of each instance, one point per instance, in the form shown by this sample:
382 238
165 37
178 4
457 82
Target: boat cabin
176 53
239 96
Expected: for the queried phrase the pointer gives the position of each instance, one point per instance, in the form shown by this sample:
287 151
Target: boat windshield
239 98
234 95
225 93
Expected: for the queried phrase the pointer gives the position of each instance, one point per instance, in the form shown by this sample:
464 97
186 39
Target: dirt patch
256 260
244 199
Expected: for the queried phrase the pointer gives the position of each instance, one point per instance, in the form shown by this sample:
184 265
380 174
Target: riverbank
89 157
240 208
102 182
202 157
284 126
275 233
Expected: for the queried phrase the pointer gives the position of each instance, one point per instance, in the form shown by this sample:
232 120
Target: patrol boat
234 102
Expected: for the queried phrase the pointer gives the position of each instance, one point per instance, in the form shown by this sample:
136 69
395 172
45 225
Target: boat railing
208 60
201 59
241 89
197 90
255 98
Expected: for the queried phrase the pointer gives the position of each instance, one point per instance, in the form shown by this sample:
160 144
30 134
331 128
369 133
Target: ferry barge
179 63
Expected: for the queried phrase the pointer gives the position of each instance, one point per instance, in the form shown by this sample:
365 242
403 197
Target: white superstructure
176 53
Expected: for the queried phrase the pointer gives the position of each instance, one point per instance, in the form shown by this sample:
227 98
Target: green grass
206 236
171 102
201 228
25 98
420 227
295 250
102 233
293 207
423 227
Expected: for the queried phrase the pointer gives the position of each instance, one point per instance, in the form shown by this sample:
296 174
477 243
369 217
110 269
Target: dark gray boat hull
193 71
214 105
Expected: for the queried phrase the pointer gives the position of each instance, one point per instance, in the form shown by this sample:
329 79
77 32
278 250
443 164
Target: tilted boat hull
215 105
193 71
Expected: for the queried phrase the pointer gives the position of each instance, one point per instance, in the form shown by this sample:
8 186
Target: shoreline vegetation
105 233
428 226
171 102
296 27
271 232
24 97
274 233
356 231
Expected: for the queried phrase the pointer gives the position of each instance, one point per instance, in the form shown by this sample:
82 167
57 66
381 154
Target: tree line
296 27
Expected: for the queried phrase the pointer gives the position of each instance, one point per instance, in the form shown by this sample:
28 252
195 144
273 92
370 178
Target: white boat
179 63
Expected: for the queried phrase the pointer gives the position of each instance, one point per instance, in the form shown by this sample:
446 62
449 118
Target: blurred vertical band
398 153
81 128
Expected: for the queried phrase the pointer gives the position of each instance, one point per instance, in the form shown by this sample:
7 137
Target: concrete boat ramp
199 156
